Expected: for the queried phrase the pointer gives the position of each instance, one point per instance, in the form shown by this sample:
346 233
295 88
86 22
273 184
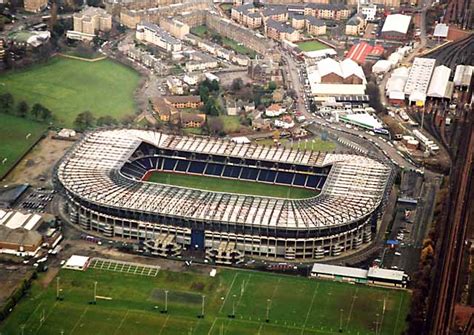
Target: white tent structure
440 86
382 66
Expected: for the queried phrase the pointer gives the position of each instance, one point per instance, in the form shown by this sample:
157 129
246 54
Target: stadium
103 179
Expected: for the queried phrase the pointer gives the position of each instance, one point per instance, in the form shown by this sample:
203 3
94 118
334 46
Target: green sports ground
134 305
230 185
68 87
311 46
14 139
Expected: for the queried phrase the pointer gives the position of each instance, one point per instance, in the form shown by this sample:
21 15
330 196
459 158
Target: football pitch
68 87
134 304
311 46
14 138
230 185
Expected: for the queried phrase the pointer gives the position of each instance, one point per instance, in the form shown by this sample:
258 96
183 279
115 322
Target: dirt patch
36 168
10 277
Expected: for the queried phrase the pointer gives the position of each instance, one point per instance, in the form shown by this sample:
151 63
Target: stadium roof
439 85
336 270
396 23
91 172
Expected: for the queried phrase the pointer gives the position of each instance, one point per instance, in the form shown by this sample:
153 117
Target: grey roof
355 20
10 193
315 21
378 273
20 236
164 35
274 10
281 27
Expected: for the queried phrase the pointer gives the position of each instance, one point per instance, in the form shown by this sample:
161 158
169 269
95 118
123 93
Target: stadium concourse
102 180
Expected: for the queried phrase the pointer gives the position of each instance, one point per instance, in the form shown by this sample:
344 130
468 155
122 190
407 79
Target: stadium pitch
229 185
235 303
68 87
311 46
17 135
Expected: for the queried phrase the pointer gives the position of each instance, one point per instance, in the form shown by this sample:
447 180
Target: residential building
315 26
89 22
152 34
199 61
175 85
247 15
175 27
355 25
368 10
184 101
279 31
396 27
165 111
275 13
298 21
274 110
327 11
34 6
192 120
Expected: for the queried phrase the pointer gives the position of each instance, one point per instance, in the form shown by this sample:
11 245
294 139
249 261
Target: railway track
459 52
445 287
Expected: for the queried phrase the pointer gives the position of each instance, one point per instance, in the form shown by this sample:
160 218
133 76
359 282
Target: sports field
132 304
311 46
230 185
14 139
68 87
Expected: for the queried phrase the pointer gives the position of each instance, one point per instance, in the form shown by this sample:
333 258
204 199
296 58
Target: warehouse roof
378 273
463 75
439 85
441 30
420 75
397 23
336 270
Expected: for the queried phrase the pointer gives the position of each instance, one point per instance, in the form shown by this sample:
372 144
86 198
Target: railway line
452 243
459 52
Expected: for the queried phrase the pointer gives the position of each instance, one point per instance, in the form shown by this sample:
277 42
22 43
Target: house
274 110
175 27
247 15
164 111
275 13
368 10
199 61
285 122
298 21
88 23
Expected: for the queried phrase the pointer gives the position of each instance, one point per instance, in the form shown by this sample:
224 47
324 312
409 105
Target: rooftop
397 23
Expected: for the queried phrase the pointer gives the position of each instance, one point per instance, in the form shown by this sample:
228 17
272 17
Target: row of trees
38 112
87 120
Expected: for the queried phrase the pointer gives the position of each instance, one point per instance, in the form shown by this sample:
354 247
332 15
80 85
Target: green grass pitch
13 141
311 46
230 185
296 305
68 87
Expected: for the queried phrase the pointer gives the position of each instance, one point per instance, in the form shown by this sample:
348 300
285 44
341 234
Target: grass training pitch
68 87
311 46
230 185
132 304
14 139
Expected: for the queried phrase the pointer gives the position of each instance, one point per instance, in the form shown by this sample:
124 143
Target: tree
272 85
6 102
374 97
214 86
216 126
84 120
22 110
210 107
106 121
46 114
204 93
37 111
237 84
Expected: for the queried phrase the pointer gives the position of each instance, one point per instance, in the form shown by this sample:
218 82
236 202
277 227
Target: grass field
13 141
239 48
68 87
295 305
311 145
230 185
311 46
200 31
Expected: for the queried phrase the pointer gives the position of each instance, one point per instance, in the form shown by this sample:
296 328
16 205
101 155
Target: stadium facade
103 179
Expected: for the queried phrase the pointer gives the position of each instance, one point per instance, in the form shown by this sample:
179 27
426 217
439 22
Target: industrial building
419 77
440 86
396 27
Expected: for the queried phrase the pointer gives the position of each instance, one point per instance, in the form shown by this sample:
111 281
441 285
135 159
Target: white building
76 262
396 26
368 10
155 35
419 78
463 75
440 86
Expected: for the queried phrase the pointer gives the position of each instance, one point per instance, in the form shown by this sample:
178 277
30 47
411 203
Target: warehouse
396 27
463 75
440 86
